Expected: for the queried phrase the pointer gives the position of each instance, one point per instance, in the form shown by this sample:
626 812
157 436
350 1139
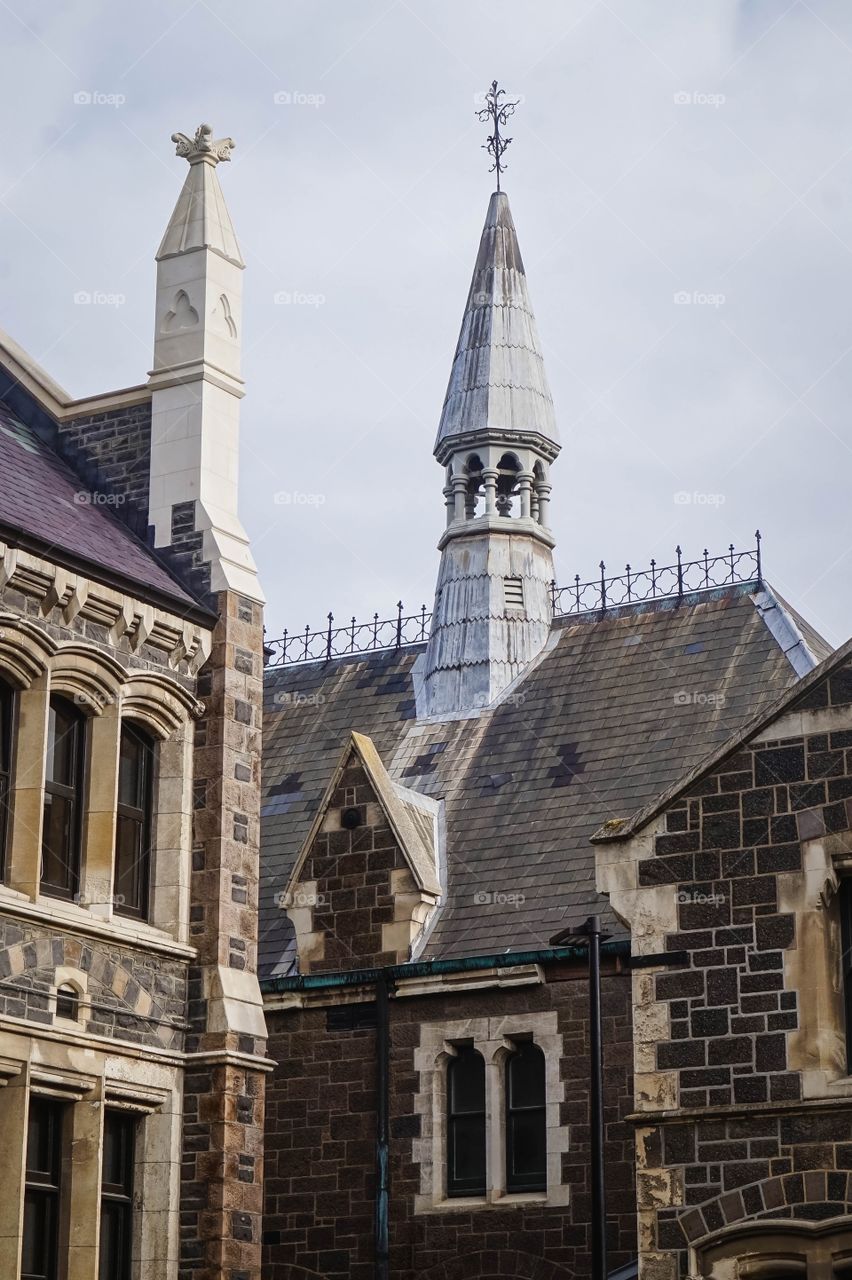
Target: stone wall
111 452
221 1193
130 995
320 1144
742 1068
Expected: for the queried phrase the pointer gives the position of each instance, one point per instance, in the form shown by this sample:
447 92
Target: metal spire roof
497 384
200 219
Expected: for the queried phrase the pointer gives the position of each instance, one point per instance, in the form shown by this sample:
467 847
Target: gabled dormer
367 879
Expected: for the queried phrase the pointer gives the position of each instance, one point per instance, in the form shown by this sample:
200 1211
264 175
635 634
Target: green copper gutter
468 964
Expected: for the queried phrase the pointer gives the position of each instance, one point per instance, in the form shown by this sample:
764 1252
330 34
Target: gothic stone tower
196 391
496 439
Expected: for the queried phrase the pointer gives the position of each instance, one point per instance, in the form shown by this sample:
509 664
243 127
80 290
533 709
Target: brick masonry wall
747 1145
112 453
320 1148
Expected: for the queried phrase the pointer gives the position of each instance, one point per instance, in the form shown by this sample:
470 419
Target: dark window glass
845 896
117 1196
7 712
41 1195
63 800
133 827
67 1002
466 1124
526 1134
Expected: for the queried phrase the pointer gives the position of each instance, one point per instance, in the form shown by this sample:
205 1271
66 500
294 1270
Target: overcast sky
662 150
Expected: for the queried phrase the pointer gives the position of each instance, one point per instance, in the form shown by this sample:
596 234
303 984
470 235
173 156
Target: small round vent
351 818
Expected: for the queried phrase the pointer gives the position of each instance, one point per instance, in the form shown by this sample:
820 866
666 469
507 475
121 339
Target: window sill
76 919
508 1200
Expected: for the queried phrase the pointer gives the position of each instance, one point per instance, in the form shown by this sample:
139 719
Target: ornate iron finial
497 113
202 146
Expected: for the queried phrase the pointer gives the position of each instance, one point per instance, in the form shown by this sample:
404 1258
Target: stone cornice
511 526
56 586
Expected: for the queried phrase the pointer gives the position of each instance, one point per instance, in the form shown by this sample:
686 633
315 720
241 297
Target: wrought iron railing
634 586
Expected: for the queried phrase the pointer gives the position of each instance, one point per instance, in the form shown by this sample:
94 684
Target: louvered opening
513 593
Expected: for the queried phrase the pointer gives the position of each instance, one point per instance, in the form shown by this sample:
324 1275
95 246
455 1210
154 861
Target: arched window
67 1001
526 1130
134 825
63 800
466 1124
7 712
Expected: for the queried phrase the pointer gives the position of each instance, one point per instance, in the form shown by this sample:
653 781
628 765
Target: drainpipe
382 1128
592 929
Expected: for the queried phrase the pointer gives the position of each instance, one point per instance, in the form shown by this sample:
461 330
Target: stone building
132 1039
427 860
353 1042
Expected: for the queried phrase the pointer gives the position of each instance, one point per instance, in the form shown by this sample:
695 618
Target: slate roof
616 710
497 380
40 497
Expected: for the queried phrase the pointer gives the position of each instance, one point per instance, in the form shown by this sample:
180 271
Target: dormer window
63 800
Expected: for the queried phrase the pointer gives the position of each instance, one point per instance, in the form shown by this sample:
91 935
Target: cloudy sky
681 180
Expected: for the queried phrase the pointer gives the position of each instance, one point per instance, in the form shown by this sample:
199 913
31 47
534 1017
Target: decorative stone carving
202 146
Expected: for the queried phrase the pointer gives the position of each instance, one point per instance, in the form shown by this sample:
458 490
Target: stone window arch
508 474
67 1002
497 1039
103 696
781 1250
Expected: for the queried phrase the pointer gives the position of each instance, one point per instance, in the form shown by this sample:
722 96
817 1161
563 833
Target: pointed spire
195 383
200 219
498 385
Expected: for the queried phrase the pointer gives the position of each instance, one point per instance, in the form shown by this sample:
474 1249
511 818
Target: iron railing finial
633 587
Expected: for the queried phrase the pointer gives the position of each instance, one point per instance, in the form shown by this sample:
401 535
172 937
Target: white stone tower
196 383
496 441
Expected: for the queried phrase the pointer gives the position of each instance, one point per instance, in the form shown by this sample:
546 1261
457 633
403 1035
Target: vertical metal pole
382 1129
599 1269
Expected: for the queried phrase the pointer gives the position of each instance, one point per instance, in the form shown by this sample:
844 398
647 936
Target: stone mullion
28 788
13 1142
84 1171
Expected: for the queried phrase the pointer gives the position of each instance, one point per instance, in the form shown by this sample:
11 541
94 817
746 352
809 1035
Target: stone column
82 1169
544 490
221 1196
24 866
459 499
489 476
525 480
96 883
449 502
13 1144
